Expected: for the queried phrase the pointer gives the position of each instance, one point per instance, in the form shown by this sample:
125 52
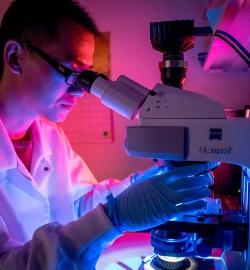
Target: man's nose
76 92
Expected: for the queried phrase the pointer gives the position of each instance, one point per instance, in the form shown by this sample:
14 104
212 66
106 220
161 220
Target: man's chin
60 120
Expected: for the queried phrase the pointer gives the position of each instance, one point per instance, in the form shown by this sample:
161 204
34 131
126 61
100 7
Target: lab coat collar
8 157
38 137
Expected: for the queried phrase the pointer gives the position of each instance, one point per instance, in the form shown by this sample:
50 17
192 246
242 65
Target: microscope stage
129 252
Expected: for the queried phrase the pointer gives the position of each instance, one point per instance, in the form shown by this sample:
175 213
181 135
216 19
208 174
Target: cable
234 44
235 41
229 39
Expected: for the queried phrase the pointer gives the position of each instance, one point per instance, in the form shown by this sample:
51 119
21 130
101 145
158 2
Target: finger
188 195
187 171
191 207
154 170
205 180
149 173
181 196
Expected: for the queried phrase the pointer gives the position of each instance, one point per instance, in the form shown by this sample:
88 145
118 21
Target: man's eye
75 68
80 67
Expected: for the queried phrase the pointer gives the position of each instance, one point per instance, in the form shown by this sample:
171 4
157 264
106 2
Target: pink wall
132 55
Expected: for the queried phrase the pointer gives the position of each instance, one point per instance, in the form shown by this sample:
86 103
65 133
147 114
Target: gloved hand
149 203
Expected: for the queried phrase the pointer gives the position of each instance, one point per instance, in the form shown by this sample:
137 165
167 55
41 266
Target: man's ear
12 56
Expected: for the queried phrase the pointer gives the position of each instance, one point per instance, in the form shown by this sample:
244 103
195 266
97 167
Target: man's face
43 89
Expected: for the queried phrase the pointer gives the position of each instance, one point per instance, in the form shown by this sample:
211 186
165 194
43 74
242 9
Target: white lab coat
58 189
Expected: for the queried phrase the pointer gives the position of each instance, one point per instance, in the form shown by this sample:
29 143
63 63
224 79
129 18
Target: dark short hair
33 18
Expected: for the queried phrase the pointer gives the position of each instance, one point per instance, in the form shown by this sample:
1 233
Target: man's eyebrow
79 63
86 66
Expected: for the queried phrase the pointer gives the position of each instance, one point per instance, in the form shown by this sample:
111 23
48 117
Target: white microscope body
176 124
182 125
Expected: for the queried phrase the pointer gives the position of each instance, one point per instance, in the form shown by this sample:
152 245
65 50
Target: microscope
181 127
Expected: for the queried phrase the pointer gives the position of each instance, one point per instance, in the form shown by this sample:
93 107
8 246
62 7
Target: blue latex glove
151 202
139 177
148 173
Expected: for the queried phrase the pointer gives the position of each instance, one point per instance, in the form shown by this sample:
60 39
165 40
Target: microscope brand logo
215 134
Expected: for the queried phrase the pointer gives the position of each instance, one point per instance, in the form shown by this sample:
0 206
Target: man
53 214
